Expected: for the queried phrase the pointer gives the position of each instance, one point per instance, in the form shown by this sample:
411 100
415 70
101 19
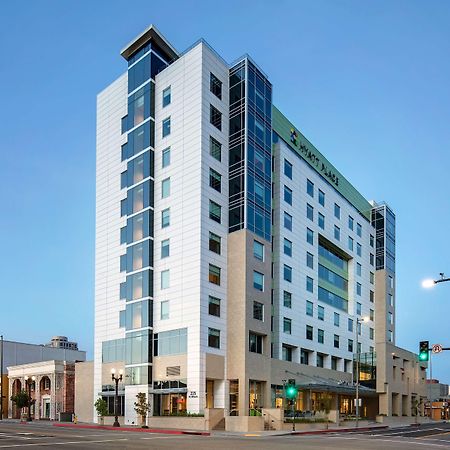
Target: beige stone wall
84 391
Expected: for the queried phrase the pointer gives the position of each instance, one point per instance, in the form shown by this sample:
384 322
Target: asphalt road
39 436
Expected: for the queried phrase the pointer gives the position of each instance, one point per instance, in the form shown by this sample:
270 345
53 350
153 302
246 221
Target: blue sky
366 82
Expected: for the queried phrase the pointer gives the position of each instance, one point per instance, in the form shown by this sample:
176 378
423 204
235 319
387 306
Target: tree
142 407
101 407
325 405
415 407
22 399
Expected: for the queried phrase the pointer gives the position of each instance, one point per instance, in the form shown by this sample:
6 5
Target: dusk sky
367 82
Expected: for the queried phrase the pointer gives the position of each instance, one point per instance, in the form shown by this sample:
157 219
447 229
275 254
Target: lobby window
286 353
309 308
309 212
358 249
358 289
304 356
287 221
258 250
310 188
255 343
310 236
350 345
215 117
165 218
320 336
164 310
215 86
309 284
213 306
287 247
358 229
319 360
165 279
321 312
358 269
358 308
371 333
166 97
214 243
258 281
288 169
350 243
350 222
258 311
287 273
336 319
336 341
165 188
213 338
321 198
215 180
310 260
287 195
337 211
166 157
214 274
165 248
287 299
215 148
309 332
321 221
287 325
337 233
166 127
215 211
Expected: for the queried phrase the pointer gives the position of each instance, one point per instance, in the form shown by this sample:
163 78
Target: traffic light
291 390
423 350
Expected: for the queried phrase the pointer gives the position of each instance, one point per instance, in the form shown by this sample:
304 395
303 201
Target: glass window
309 332
171 342
287 299
165 188
215 117
258 311
165 248
258 281
166 97
337 211
137 347
310 260
350 345
337 233
287 325
358 269
122 319
139 168
215 211
304 356
321 221
309 284
214 274
372 259
287 247
215 180
213 338
139 255
372 278
350 243
321 312
287 221
139 73
259 192
215 148
287 195
321 198
358 308
336 341
165 218
350 222
139 139
358 249
258 250
336 319
350 325
288 169
310 236
287 273
166 157
309 212
164 310
165 279
371 314
334 363
214 243
166 127
358 288
215 86
138 226
214 306
359 229
286 353
371 333
138 315
138 285
309 308
310 188
371 241
319 360
255 343
320 336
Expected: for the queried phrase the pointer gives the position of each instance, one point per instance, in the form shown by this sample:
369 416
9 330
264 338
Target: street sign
436 348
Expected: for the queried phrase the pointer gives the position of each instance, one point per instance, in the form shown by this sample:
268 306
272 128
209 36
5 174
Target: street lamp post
29 381
116 397
430 282
358 322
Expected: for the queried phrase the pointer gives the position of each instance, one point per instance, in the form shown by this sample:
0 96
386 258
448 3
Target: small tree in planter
415 407
326 403
22 400
142 408
102 409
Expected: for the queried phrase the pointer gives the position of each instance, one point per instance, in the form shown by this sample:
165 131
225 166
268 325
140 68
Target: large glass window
139 285
286 352
215 180
287 273
287 221
214 274
138 140
166 96
321 198
139 73
166 157
350 222
215 148
258 281
332 299
310 236
258 250
310 188
213 338
214 243
139 106
165 218
332 278
166 127
321 221
258 311
215 117
336 319
332 257
138 169
165 188
165 248
287 247
165 279
320 336
309 332
287 325
287 299
215 211
287 195
137 348
321 312
214 306
172 342
309 308
288 169
255 343
309 284
337 233
138 227
140 197
309 212
139 255
215 86
337 211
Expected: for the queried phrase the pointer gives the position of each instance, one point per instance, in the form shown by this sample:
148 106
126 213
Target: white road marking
62 443
397 441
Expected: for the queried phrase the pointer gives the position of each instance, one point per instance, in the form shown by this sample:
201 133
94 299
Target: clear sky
366 81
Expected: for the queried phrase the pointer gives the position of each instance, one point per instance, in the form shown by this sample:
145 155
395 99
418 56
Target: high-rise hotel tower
231 255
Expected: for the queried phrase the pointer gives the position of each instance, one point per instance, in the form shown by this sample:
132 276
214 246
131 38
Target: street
44 436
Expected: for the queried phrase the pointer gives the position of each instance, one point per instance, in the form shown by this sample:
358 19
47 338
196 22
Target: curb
135 430
337 430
